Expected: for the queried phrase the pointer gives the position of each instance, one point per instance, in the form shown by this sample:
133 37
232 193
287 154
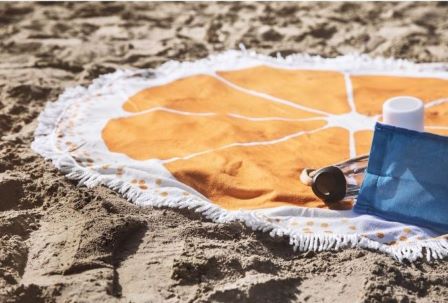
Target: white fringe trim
48 119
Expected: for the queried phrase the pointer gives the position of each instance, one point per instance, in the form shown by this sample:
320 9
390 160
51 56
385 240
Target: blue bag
407 178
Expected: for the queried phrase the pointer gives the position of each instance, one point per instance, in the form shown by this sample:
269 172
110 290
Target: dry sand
60 242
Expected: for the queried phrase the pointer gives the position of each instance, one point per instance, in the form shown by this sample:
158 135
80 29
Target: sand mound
60 242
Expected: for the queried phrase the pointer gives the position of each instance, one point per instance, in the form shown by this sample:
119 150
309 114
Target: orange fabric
206 94
437 115
236 161
363 139
179 135
321 90
262 176
370 92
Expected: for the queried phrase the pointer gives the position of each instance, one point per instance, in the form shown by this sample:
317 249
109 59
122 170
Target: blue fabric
407 178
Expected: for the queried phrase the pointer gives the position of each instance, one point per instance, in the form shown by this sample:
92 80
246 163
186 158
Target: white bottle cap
403 111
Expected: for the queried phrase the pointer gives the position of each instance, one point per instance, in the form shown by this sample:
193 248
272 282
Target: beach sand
63 243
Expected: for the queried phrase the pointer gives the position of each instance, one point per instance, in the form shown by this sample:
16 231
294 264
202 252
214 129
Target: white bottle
405 112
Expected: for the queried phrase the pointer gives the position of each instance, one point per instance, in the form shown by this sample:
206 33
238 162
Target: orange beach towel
230 134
